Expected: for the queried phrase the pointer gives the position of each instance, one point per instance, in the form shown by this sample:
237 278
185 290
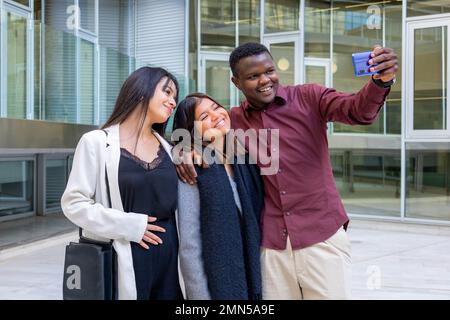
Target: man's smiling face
257 78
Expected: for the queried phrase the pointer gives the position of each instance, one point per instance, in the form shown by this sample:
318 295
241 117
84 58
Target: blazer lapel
112 165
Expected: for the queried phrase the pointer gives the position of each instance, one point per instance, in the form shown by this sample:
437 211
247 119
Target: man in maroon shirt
305 249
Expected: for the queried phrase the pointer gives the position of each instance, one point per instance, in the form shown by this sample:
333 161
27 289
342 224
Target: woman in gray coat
219 216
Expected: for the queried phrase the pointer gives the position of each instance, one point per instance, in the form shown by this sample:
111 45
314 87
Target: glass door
428 79
285 52
215 78
317 70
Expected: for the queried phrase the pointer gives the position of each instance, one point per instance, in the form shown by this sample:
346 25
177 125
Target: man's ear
236 82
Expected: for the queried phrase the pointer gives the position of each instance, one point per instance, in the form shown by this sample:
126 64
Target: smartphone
361 64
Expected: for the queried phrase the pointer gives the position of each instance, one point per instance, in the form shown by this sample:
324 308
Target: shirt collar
280 99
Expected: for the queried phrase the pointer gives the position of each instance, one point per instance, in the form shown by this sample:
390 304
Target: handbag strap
80 230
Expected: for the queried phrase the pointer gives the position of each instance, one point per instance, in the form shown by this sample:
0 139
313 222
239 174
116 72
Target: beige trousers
321 271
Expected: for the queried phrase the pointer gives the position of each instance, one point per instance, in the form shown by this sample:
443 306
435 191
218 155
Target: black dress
152 188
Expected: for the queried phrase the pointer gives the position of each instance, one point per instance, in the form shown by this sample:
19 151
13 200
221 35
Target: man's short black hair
243 51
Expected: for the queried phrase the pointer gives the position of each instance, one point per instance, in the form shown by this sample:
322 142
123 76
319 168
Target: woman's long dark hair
136 92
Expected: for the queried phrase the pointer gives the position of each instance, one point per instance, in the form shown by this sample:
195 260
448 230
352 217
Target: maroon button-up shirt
302 200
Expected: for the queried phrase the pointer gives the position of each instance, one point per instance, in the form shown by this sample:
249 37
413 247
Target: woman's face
162 104
212 116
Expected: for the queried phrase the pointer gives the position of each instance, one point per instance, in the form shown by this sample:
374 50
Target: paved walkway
391 261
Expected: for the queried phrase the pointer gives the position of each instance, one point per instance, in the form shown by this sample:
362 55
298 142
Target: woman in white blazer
131 155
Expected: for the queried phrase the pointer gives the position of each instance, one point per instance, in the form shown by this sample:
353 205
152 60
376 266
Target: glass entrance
215 78
285 53
317 71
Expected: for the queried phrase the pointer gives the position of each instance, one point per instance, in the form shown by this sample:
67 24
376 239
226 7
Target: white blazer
85 202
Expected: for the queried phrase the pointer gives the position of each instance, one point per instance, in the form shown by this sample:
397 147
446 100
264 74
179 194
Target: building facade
63 62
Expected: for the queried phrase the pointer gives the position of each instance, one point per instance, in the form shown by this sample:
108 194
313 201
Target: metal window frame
34 183
86 31
21 6
42 159
203 55
3 55
319 62
186 45
92 37
283 37
411 26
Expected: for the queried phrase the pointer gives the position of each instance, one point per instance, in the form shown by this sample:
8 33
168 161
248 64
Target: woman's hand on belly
149 236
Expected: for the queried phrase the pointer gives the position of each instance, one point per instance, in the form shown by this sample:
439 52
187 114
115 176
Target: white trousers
321 271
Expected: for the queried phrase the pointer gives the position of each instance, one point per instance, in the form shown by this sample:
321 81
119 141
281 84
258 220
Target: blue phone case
361 63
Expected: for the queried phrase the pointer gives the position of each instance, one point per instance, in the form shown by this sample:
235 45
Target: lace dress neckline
144 164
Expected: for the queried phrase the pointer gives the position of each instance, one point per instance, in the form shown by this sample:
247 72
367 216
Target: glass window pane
218 29
60 76
281 15
218 76
315 74
284 57
87 14
430 57
352 34
16 187
87 83
368 180
37 83
55 182
428 181
426 7
16 67
249 21
317 28
113 72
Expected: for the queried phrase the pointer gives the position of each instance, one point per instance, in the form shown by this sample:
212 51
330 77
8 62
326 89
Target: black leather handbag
90 268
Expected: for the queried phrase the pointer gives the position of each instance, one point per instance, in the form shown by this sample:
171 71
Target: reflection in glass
114 39
16 187
55 182
351 34
368 180
87 15
218 24
430 90
16 67
428 181
60 76
317 28
281 15
87 82
249 21
427 7
315 74
284 57
218 81
113 72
